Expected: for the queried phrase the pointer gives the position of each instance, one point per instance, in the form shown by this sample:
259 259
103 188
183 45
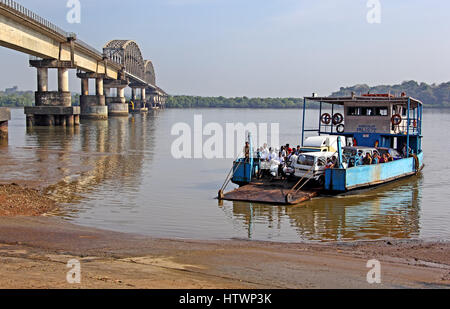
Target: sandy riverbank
34 252
18 200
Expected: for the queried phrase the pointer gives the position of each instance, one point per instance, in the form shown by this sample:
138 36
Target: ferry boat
359 125
379 121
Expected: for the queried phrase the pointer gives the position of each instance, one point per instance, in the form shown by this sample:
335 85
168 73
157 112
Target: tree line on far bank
25 98
431 95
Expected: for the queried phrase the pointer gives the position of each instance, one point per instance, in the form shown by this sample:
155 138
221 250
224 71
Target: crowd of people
276 159
376 158
281 155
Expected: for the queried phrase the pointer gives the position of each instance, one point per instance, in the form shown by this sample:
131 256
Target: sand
34 252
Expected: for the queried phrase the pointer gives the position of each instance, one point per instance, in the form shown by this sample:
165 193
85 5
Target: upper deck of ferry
370 119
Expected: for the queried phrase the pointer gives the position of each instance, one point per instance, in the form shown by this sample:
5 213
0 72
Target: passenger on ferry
360 158
288 149
330 164
283 152
334 161
404 152
367 159
376 158
247 151
265 153
389 158
298 151
281 159
259 153
269 156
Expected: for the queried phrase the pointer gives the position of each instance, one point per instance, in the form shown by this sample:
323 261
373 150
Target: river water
120 175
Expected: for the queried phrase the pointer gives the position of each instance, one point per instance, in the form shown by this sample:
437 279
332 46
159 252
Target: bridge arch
149 70
128 54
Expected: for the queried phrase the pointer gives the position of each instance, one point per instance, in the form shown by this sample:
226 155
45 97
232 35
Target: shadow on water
388 211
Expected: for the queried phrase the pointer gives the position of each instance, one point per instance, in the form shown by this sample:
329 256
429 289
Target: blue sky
267 48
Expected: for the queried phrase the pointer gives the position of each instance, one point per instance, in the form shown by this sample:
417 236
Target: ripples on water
119 175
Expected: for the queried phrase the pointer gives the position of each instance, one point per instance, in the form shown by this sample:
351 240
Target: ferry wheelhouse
376 121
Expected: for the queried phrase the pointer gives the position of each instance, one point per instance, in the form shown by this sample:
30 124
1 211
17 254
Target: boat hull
343 180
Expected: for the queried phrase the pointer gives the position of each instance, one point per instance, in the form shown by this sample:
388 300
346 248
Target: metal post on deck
407 129
419 124
320 118
303 123
332 115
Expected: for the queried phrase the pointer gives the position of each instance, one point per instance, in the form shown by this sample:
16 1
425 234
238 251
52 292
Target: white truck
323 143
316 151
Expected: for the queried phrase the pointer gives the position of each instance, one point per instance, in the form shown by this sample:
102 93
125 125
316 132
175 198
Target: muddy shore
34 248
17 200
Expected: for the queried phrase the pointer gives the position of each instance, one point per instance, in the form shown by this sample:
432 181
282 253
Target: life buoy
340 128
337 119
396 119
326 118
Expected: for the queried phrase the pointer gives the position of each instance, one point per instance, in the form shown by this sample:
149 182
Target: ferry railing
229 177
413 128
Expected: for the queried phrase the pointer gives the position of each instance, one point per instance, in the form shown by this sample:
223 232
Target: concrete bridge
120 65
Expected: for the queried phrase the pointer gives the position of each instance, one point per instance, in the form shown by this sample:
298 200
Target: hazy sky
267 48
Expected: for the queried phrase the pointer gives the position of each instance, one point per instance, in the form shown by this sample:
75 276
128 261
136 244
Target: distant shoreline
254 108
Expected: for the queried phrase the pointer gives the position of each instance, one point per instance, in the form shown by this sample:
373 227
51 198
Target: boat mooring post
303 123
339 145
250 140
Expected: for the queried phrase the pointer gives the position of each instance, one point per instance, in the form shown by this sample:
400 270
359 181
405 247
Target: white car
312 165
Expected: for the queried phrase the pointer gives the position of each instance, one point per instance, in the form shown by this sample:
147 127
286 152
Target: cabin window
382 111
354 111
367 111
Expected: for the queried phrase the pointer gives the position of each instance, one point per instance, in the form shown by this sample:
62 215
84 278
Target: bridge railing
44 22
21 10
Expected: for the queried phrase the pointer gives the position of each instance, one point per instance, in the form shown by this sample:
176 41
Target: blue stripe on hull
341 180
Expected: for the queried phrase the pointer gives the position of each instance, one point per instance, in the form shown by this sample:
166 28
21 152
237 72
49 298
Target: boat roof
318 154
358 148
369 98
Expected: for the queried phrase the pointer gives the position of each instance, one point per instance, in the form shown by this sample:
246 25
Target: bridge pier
139 105
5 116
92 106
117 106
52 108
157 100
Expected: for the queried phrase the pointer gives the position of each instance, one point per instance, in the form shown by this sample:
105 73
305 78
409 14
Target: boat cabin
371 120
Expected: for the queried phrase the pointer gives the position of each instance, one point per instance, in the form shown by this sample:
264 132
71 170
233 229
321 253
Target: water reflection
389 211
100 151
